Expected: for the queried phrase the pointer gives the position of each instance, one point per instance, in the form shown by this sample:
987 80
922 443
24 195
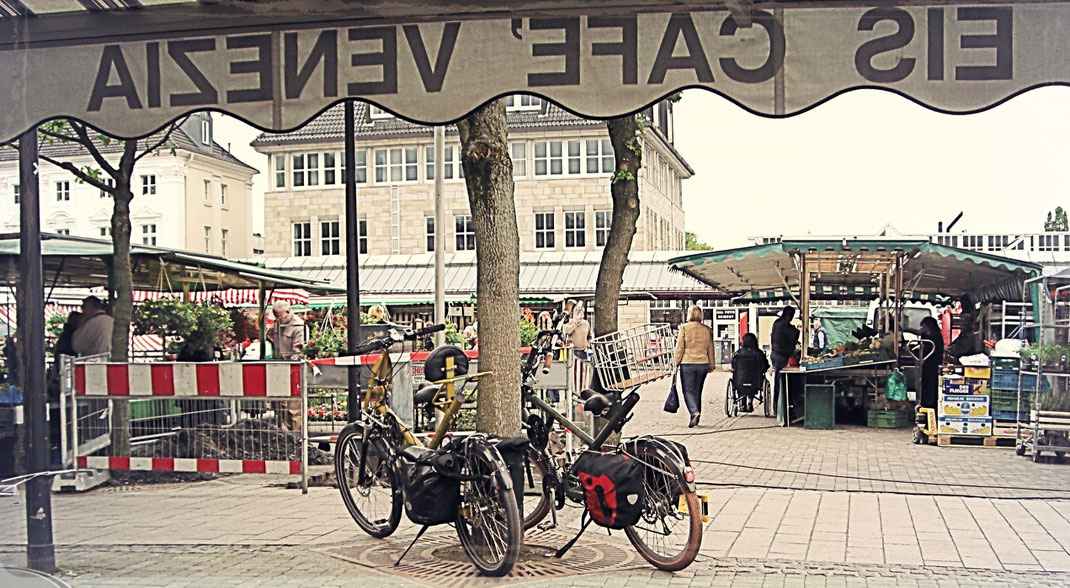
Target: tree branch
166 137
81 175
87 142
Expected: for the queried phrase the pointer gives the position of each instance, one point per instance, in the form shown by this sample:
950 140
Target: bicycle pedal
546 526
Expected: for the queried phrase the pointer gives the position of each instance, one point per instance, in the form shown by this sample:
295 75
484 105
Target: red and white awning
232 297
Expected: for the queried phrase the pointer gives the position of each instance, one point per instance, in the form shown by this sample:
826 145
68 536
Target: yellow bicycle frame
380 387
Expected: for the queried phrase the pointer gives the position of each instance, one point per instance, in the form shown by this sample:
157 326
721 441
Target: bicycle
669 532
373 453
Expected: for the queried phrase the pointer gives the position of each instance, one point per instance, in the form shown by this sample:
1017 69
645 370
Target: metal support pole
352 263
261 320
440 231
40 551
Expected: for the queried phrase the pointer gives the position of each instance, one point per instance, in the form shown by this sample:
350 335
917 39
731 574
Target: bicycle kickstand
552 523
414 540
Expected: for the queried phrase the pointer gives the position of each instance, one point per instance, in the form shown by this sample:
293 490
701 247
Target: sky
849 166
867 158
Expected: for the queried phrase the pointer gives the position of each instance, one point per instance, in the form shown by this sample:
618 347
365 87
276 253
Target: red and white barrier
227 379
178 464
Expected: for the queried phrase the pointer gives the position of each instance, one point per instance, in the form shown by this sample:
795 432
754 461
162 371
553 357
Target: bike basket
630 358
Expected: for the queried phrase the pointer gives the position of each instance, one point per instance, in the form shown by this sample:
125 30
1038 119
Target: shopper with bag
695 359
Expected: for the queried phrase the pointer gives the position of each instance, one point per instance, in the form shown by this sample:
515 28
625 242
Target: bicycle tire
488 520
536 502
661 503
375 504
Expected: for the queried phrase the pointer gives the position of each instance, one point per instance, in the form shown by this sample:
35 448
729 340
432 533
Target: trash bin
819 406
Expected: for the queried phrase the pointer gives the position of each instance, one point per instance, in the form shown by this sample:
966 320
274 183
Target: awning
77 262
852 269
128 67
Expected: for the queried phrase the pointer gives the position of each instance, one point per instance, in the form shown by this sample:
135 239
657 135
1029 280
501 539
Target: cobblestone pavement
853 506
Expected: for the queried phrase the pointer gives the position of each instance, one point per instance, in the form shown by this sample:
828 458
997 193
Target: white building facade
198 198
562 167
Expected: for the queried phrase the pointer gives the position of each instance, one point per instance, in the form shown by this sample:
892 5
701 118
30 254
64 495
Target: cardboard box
976 426
960 386
968 405
983 373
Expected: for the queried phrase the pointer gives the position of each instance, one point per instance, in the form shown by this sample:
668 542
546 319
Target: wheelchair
735 402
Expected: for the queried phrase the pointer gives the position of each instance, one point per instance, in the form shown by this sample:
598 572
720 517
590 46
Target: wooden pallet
974 441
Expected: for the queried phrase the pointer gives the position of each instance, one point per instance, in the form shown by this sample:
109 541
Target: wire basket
627 359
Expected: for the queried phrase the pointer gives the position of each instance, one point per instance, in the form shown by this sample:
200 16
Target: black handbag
672 401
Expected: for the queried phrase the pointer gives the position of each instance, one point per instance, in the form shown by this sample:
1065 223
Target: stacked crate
964 407
1005 375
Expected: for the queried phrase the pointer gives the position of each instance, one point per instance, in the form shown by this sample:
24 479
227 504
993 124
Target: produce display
851 353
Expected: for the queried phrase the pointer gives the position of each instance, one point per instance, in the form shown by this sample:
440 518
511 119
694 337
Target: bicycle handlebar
397 333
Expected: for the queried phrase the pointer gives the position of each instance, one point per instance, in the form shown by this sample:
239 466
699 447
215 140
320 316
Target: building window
361 167
451 166
105 231
63 191
575 161
376 112
223 242
544 230
109 182
302 244
15 191
519 154
148 185
523 102
330 238
280 171
464 234
207 239
576 229
603 219
362 235
63 231
1048 243
430 231
206 132
599 154
148 234
208 192
395 165
223 195
549 158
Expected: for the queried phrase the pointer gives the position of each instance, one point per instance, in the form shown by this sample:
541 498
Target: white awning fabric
129 67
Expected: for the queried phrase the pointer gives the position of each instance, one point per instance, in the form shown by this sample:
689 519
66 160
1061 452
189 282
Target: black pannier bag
612 488
431 495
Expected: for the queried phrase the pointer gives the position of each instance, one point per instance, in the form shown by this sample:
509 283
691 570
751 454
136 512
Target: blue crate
1008 380
10 395
1003 414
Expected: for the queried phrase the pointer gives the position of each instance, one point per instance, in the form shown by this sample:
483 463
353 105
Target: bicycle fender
685 473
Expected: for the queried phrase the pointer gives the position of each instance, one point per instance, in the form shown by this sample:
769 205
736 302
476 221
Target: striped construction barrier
179 464
219 379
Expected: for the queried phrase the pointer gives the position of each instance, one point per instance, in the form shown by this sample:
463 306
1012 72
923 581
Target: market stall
892 273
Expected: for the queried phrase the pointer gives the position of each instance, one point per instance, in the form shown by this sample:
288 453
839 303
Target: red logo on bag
599 491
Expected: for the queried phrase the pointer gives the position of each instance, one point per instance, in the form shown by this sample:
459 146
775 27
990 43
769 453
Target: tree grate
437 559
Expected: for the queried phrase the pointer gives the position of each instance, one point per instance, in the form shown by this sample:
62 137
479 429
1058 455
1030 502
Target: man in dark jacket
748 370
783 338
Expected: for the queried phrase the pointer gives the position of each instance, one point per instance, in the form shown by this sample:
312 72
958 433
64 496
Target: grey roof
330 125
182 142
541 274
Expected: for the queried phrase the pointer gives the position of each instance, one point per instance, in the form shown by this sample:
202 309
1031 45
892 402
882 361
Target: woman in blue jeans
694 357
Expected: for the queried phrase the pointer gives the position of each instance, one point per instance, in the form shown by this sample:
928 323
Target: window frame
429 233
548 232
148 184
578 232
468 233
330 237
63 190
148 235
601 234
301 244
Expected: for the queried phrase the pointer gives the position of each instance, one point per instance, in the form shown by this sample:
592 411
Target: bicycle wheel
668 536
767 398
536 501
488 521
371 493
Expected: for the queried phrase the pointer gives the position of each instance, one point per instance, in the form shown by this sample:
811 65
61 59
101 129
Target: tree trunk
121 278
488 173
624 135
121 293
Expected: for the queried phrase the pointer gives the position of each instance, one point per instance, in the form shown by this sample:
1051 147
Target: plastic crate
1010 414
888 419
826 362
1008 380
1006 363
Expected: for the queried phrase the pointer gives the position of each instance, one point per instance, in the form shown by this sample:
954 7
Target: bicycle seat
414 452
596 403
425 395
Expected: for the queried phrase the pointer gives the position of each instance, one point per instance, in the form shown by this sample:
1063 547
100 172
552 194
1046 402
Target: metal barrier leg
304 432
